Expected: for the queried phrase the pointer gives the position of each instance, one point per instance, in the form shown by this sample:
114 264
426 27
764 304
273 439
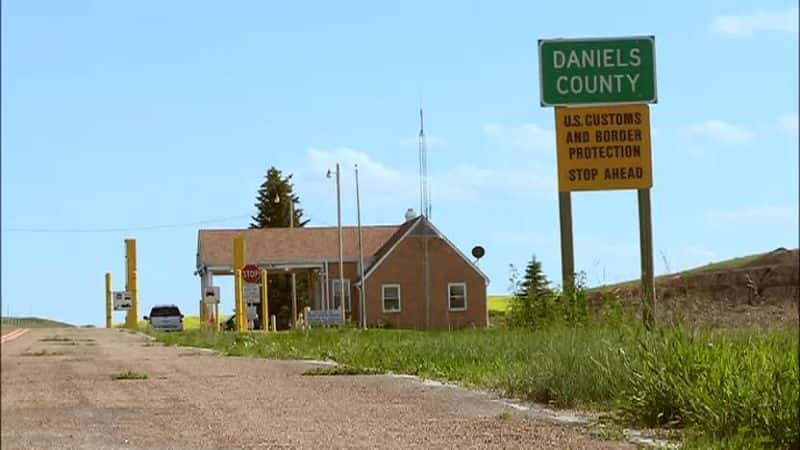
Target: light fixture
329 174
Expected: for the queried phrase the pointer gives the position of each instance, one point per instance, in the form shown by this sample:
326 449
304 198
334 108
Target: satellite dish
478 252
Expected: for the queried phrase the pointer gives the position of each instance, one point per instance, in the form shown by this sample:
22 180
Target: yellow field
499 303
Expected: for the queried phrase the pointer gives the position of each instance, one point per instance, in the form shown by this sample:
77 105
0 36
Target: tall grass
729 386
733 384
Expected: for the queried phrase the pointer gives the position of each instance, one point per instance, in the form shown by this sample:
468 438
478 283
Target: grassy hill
11 323
499 303
739 263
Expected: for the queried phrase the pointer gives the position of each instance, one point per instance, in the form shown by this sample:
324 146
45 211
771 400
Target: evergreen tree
276 214
534 282
272 214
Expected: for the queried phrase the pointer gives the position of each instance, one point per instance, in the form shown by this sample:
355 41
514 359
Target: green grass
504 415
193 322
129 375
720 385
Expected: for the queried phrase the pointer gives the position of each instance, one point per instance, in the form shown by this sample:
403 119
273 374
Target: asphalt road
192 399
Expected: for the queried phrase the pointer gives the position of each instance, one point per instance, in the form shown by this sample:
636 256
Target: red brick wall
404 266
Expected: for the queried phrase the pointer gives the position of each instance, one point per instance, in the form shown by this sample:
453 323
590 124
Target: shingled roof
215 247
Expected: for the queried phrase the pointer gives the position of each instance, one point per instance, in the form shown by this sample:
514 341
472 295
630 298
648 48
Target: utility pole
363 291
294 276
341 250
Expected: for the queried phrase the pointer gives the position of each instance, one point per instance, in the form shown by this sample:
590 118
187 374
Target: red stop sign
251 274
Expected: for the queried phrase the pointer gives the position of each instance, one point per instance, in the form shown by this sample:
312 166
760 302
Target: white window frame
348 301
449 296
399 298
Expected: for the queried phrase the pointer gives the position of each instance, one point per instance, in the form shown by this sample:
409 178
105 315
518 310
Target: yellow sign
602 148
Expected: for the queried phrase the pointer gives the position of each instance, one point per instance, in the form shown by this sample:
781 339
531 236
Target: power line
122 229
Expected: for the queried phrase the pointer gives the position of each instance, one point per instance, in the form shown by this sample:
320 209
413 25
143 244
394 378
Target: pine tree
534 282
272 214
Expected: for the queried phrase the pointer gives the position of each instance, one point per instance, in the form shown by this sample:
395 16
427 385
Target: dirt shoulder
66 398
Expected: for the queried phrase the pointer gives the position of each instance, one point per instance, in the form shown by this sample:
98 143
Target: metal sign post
109 301
567 253
646 248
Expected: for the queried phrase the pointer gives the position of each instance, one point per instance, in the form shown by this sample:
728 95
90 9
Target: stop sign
251 273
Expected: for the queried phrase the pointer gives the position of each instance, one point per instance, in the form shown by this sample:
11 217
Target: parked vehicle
165 318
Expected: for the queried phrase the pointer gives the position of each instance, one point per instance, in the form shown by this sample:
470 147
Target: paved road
194 399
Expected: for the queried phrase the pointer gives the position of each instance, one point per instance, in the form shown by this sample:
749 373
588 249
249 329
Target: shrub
538 309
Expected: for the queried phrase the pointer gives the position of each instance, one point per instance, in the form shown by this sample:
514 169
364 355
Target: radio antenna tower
425 211
424 184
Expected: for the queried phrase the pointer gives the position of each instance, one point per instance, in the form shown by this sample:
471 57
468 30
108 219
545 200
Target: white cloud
379 178
788 123
756 215
747 24
526 137
469 181
720 132
393 184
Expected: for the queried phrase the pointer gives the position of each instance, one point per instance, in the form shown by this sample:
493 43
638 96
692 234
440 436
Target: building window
337 294
457 296
391 298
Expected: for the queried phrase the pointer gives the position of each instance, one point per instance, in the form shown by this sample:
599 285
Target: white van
165 318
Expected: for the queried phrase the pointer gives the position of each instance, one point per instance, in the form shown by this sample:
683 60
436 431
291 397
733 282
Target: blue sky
133 114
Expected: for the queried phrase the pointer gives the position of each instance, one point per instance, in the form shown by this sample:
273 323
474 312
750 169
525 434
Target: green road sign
591 71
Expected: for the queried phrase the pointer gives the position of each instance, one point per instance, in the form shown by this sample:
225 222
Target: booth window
457 296
391 298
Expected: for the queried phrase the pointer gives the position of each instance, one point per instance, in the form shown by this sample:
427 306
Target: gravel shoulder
66 398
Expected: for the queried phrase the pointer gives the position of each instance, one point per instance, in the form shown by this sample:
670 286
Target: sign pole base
648 288
567 254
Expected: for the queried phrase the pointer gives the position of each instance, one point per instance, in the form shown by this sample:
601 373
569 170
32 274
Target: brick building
401 289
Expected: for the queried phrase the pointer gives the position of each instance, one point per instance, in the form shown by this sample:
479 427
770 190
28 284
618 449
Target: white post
362 295
341 250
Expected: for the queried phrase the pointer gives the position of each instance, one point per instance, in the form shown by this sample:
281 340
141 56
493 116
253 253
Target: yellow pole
237 282
109 306
131 283
217 318
238 264
135 294
264 301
